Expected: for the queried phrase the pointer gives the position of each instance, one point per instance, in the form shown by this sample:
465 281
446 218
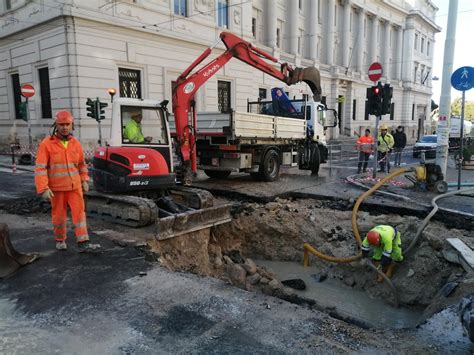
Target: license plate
215 162
141 166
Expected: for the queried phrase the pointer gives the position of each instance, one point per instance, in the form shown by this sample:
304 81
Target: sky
464 44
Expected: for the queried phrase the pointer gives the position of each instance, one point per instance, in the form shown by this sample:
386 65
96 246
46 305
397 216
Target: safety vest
60 168
385 143
364 144
133 132
387 235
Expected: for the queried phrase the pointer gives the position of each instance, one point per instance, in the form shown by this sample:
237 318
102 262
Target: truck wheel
217 174
270 167
315 160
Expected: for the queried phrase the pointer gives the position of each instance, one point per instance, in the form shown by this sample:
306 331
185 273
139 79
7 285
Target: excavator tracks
131 211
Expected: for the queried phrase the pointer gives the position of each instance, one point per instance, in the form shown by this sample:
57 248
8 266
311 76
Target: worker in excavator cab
133 130
386 243
61 176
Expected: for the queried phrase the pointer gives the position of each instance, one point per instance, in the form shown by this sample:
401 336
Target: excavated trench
262 248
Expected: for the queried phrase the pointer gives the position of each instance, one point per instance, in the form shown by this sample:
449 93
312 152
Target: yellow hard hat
384 126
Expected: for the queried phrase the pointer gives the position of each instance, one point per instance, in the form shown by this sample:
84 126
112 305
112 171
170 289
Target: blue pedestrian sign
463 78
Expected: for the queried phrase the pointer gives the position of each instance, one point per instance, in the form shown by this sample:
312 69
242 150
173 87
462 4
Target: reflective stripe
63 174
84 170
39 165
80 225
37 173
386 253
365 248
62 166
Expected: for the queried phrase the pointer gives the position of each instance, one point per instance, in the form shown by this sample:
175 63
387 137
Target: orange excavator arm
187 85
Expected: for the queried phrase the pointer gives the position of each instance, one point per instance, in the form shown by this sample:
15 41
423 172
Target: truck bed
249 126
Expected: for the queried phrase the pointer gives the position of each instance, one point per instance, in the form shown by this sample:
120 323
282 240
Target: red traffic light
376 90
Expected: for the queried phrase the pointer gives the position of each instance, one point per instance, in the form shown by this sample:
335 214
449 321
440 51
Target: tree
468 109
456 107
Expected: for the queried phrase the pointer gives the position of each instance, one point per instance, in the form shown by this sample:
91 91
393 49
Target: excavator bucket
310 76
191 221
10 259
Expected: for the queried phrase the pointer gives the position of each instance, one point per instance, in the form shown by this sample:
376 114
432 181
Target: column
408 43
360 42
271 24
399 59
373 39
386 49
313 29
293 26
329 30
346 35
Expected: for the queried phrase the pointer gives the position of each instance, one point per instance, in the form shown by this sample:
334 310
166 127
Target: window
413 112
300 5
262 93
416 40
300 41
320 20
16 94
278 38
428 48
335 15
223 96
254 27
222 13
8 4
45 92
365 27
130 83
181 7
422 47
354 107
366 112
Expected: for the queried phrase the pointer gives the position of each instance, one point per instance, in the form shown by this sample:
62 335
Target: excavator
142 182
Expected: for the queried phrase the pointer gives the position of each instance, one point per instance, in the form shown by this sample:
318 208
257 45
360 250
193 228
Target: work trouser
363 159
384 160
396 250
75 200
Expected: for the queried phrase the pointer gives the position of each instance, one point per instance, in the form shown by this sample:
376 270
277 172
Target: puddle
347 302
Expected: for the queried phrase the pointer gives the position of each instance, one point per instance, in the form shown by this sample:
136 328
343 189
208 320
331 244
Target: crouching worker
386 243
61 176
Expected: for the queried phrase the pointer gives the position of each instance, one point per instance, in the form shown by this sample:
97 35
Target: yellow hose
309 249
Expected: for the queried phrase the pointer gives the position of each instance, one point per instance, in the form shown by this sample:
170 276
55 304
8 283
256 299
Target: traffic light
22 108
91 108
387 93
102 106
374 100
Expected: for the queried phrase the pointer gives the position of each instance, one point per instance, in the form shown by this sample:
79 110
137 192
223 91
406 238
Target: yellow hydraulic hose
310 249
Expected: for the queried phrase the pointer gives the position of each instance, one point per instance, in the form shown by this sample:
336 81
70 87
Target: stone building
71 50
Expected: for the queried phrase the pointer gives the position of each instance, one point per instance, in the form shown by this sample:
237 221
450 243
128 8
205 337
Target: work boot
61 245
86 247
391 270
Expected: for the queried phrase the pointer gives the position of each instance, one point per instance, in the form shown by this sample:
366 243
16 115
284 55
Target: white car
426 144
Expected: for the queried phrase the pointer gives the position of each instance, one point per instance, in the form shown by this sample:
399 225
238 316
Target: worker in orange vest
61 176
365 146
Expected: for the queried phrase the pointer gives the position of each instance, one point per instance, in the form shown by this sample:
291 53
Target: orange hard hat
373 237
63 117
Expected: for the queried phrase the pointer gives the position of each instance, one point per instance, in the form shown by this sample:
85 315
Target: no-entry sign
375 71
27 90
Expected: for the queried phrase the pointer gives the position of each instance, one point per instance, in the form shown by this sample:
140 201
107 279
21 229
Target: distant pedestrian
400 139
61 176
365 146
384 148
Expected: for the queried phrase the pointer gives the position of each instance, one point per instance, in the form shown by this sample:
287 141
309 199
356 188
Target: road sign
27 90
375 71
463 78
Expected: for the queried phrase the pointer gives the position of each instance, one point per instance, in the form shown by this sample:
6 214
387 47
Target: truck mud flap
191 221
10 259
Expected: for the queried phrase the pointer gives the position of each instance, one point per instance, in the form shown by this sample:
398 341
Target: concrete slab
465 252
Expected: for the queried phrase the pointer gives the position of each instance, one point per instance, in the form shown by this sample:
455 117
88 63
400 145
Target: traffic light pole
97 115
376 135
30 139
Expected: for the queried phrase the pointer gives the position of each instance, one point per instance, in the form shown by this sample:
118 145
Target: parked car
426 144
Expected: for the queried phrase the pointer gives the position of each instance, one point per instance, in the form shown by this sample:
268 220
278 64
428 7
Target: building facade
71 50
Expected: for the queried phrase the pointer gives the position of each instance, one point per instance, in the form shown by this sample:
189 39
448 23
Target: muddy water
345 301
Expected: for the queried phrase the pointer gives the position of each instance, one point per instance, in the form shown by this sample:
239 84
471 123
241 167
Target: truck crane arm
187 85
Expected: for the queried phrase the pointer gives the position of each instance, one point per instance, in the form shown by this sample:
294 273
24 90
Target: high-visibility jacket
365 144
133 132
385 143
60 168
387 236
